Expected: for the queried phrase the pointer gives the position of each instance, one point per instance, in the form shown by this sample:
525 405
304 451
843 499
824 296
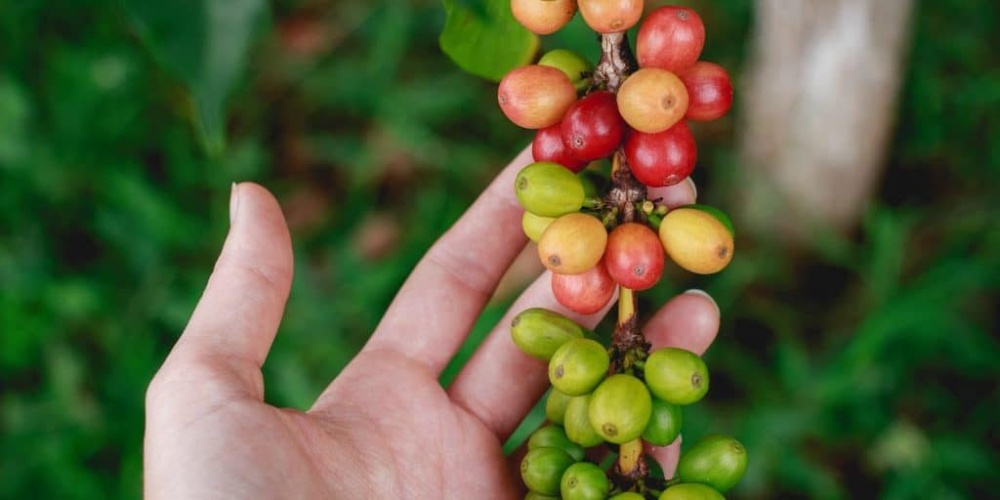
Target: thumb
233 326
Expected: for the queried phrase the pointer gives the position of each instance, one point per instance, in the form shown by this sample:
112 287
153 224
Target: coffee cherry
576 67
652 100
595 182
670 38
628 495
543 17
696 240
548 146
578 366
548 189
539 332
586 292
715 460
553 436
555 406
634 256
676 375
533 495
577 423
610 16
534 225
690 491
572 244
542 469
710 92
592 128
718 214
664 423
584 481
664 158
535 96
620 408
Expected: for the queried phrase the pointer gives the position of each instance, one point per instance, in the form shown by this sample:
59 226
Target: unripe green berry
715 460
576 67
676 375
578 366
553 436
542 469
584 481
538 332
549 189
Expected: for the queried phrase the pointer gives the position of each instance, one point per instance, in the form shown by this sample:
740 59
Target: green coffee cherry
577 423
542 469
553 436
531 495
549 189
555 406
715 460
620 408
534 225
576 67
584 481
594 182
676 375
628 495
539 332
691 491
578 366
664 423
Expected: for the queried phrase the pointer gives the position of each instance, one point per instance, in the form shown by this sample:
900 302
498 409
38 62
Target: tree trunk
818 106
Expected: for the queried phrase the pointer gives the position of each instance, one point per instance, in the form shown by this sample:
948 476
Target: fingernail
694 189
234 203
695 291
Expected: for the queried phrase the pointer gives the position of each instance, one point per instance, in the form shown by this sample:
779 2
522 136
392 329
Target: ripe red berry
535 96
584 293
634 256
710 92
592 128
549 146
662 159
670 38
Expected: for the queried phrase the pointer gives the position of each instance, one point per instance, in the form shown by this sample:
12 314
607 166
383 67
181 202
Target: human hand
384 427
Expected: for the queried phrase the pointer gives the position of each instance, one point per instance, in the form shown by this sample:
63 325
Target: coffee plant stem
617 61
630 468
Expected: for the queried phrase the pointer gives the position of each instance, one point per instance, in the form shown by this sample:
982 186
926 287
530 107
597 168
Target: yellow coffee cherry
696 240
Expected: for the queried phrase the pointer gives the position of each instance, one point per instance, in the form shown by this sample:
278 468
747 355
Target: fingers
234 324
689 321
667 456
441 300
682 193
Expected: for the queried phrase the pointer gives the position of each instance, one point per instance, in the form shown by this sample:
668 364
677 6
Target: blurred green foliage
865 364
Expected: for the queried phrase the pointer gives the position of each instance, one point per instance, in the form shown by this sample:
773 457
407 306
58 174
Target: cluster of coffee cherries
580 125
587 408
597 231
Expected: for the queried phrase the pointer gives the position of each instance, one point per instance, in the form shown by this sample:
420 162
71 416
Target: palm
395 433
384 427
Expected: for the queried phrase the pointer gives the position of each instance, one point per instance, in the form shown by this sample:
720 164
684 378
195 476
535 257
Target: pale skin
384 427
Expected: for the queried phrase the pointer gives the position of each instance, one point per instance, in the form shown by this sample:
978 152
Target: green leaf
486 41
206 44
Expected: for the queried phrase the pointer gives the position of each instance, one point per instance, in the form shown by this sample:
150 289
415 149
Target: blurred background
858 353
